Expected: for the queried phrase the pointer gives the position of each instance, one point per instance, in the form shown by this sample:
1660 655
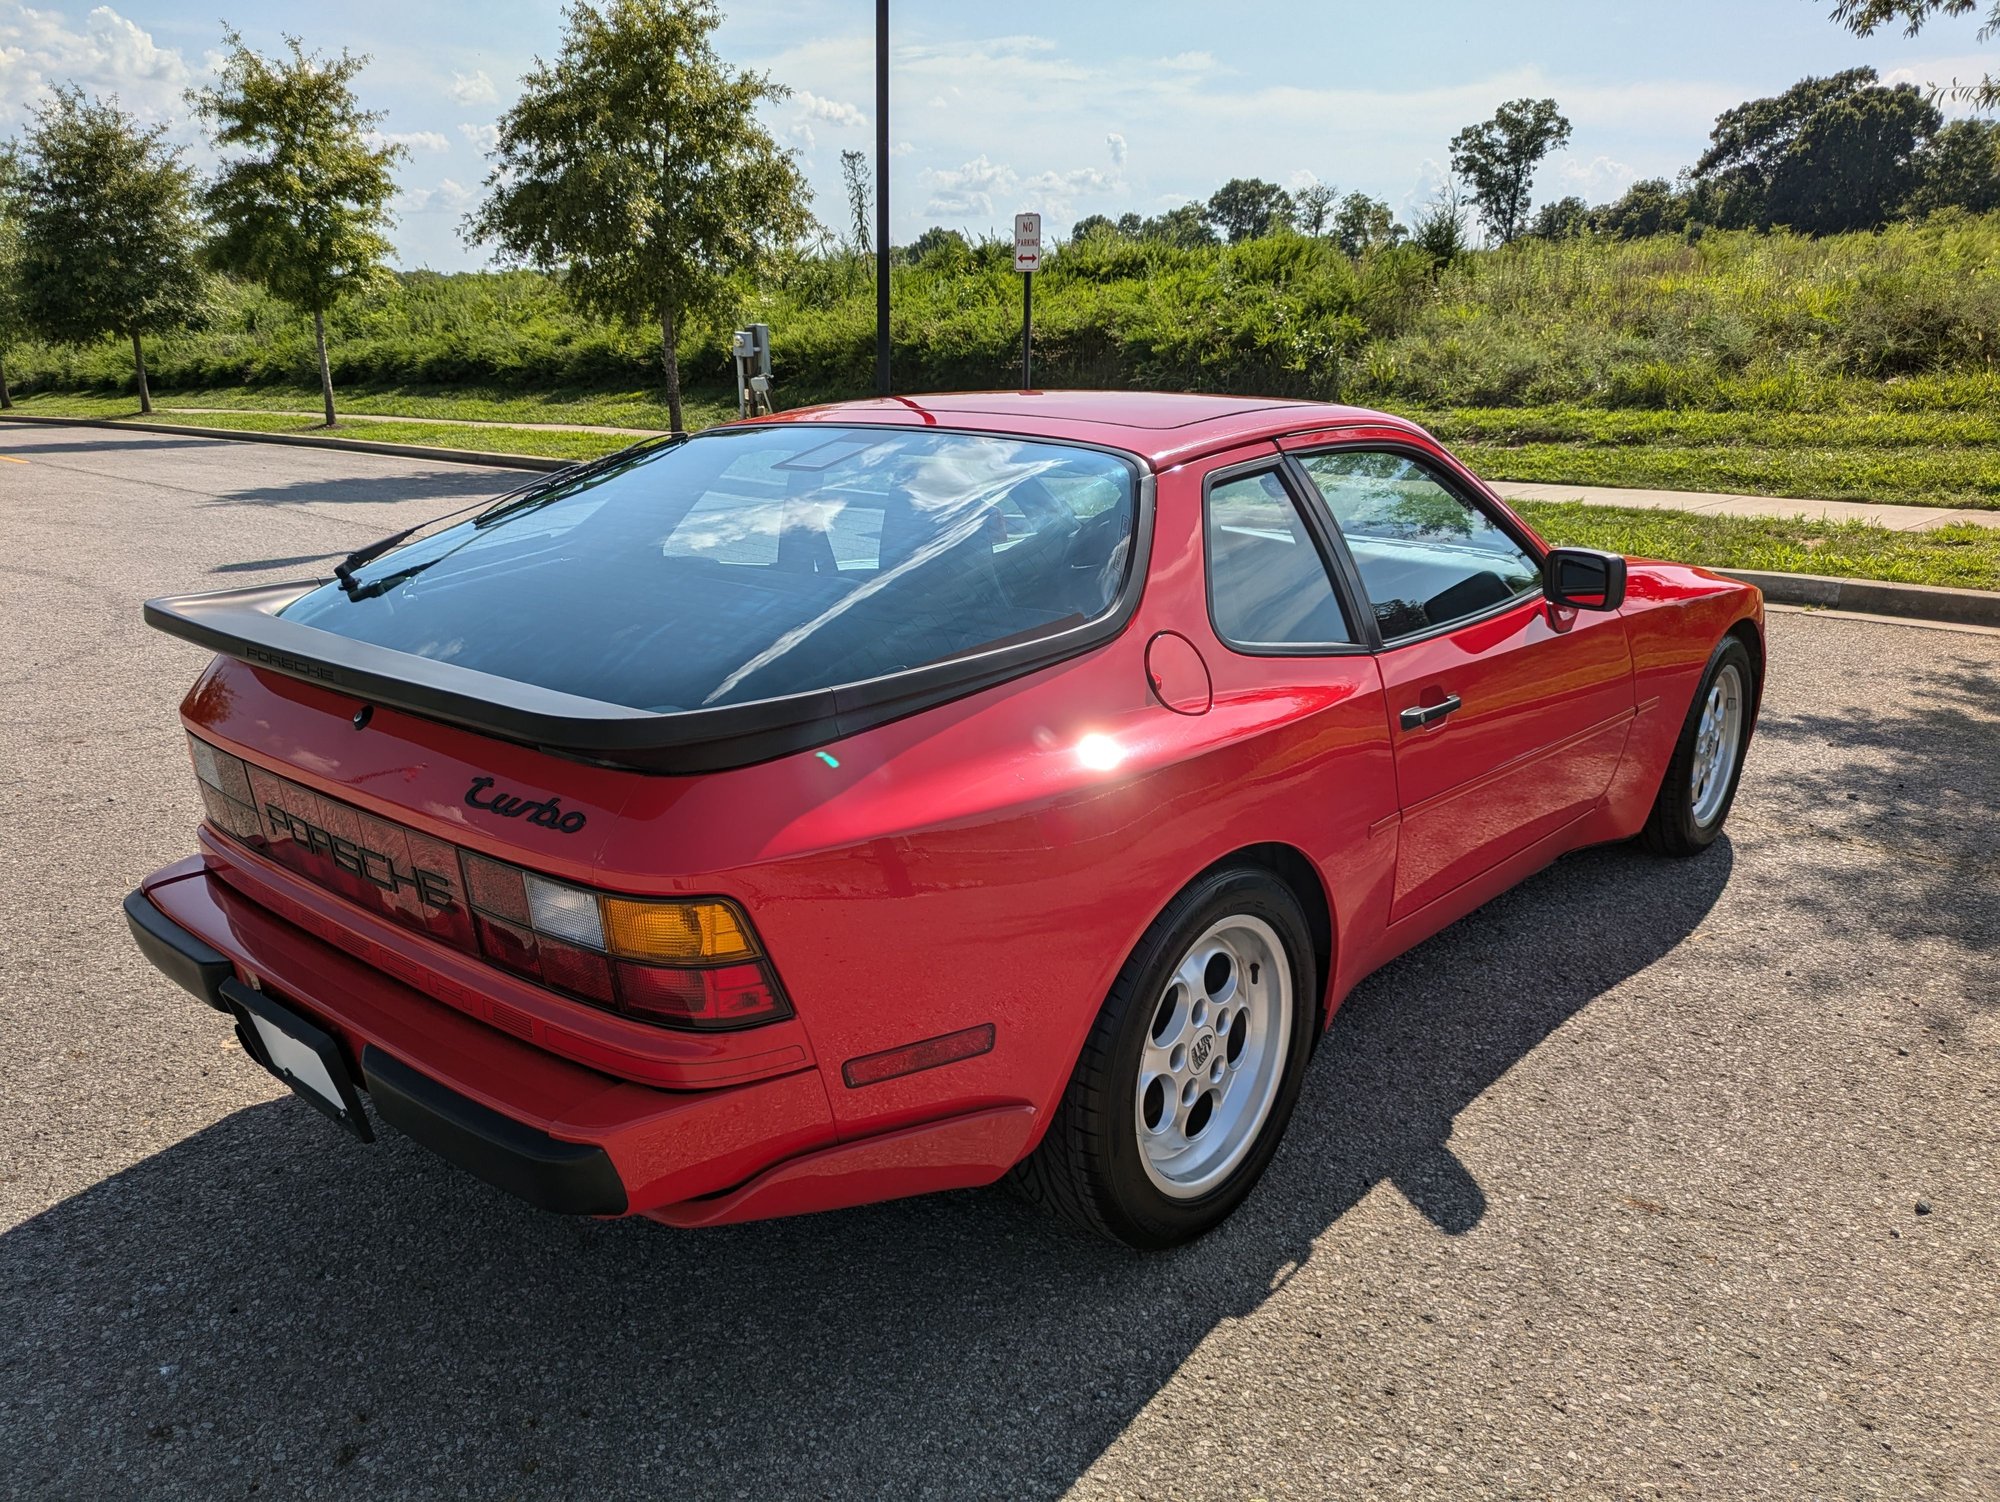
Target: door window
1268 587
1427 557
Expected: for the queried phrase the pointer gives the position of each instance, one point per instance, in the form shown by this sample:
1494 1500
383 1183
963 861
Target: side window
1267 585
1426 556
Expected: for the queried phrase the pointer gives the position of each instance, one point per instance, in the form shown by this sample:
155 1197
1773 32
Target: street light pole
881 197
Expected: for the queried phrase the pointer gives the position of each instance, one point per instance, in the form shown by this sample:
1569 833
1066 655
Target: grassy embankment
1850 368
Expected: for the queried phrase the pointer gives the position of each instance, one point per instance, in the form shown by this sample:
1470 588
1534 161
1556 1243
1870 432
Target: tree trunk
325 371
670 359
6 396
139 367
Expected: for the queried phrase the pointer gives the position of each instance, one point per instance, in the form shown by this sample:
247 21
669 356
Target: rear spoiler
245 624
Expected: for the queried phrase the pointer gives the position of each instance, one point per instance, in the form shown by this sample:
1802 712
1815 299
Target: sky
1065 108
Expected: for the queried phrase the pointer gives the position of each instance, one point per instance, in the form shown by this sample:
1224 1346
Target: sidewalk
1708 503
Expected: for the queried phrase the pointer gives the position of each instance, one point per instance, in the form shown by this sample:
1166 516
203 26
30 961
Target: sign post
1027 261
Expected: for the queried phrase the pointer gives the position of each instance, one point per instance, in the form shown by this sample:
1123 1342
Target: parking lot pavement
1649 1178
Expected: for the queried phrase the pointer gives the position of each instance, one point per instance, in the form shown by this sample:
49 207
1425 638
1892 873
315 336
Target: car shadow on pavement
446 483
266 1306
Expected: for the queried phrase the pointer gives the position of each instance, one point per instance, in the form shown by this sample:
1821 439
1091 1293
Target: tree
1862 17
1131 226
937 240
1245 207
1364 223
1960 169
1827 154
107 229
303 208
854 179
1498 160
1185 227
635 164
1564 219
1854 164
1092 227
11 311
1312 207
1651 206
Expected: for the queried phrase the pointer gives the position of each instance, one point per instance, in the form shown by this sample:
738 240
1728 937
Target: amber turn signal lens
677 933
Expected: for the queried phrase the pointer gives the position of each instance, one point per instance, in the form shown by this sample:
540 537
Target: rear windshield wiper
542 488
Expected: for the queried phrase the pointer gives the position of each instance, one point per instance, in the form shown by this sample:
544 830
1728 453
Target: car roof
1163 428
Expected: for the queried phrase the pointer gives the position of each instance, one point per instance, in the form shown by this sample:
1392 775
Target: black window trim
246 624
1452 483
1312 515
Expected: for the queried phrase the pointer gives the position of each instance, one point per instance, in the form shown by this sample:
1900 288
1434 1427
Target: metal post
1027 328
881 197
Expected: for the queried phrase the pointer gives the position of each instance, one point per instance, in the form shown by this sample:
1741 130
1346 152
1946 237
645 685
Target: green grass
489 439
1962 557
1906 458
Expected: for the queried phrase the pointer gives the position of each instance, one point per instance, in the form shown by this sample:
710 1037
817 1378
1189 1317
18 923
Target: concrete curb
303 441
1921 602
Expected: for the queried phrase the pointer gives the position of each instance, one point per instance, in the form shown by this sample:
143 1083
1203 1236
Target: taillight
225 790
680 963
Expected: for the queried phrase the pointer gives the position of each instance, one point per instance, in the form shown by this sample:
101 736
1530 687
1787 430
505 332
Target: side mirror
1584 578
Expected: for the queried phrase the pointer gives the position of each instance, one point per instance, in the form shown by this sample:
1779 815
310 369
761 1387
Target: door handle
1419 715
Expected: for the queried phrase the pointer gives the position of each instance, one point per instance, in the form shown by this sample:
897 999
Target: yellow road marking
12 460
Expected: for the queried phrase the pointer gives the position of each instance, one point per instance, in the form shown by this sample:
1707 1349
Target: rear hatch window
757 563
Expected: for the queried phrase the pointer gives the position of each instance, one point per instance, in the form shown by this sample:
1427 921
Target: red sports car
904 794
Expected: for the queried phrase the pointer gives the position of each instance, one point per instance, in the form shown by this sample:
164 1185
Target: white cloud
413 140
1118 150
829 111
482 138
801 135
1189 62
448 197
969 189
473 88
106 54
1598 179
902 148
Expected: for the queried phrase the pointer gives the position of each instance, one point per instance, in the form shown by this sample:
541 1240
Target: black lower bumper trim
570 1177
178 954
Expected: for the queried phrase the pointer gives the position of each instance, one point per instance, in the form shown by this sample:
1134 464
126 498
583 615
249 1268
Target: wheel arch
1746 632
1296 870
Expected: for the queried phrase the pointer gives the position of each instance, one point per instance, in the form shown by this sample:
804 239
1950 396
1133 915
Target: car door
1508 714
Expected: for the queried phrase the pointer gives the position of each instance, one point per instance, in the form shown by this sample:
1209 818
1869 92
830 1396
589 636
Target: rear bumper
554 1132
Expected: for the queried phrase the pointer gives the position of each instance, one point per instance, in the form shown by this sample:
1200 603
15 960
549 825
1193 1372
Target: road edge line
491 460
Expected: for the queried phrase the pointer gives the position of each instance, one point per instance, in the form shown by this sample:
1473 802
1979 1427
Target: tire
1696 794
1142 1154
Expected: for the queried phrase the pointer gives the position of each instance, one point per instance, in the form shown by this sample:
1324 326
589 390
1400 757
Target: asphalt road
1617 1188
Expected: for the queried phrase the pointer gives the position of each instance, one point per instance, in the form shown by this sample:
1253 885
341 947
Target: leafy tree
1651 206
1131 226
12 320
937 240
1092 227
303 209
1828 154
1313 206
635 164
108 230
854 179
1185 227
1364 223
1564 219
1498 159
1960 169
1854 164
1245 207
1862 17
